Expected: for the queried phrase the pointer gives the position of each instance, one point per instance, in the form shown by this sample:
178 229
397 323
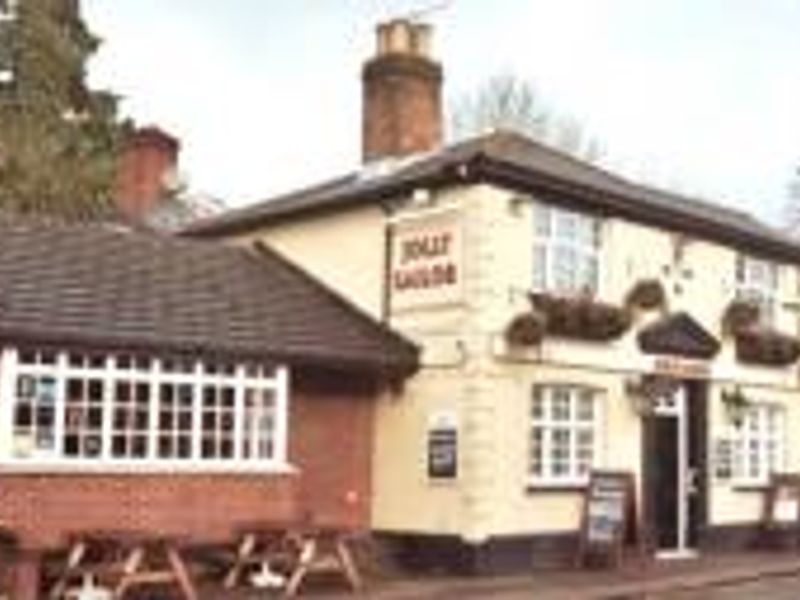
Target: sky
700 96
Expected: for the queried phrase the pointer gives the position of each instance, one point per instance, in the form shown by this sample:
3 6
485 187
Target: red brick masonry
330 443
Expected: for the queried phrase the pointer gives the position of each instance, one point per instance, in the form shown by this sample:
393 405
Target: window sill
34 467
749 486
555 487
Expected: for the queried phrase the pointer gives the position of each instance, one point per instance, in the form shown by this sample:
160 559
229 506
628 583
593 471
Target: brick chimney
149 158
402 87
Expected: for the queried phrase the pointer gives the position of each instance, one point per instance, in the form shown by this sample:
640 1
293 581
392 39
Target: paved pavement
750 576
772 588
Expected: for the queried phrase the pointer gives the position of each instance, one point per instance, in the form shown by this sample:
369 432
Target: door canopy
678 334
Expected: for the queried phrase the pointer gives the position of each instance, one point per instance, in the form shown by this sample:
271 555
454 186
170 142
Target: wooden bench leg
349 566
132 565
308 553
74 559
181 573
243 552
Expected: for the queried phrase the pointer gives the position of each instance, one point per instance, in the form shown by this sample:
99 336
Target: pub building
178 387
569 320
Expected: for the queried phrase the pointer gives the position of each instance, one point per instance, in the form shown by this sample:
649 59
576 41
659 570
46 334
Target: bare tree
508 102
792 207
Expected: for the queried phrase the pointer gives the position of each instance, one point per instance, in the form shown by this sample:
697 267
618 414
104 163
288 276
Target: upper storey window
565 251
757 282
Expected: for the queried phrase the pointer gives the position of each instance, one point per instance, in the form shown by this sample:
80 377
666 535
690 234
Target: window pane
539 267
585 451
541 220
537 403
585 411
560 404
537 451
83 420
565 269
131 420
259 424
562 436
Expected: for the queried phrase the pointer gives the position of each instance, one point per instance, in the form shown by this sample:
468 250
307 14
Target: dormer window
565 251
757 283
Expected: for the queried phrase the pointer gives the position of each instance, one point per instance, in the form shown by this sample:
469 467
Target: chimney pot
402 84
149 155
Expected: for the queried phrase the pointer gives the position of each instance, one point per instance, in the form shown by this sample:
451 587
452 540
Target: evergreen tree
58 139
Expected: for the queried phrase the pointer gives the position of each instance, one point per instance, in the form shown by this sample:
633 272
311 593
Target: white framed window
758 445
566 251
563 434
757 282
78 408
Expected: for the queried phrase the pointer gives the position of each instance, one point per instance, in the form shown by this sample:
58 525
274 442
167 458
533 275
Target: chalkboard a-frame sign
782 507
608 515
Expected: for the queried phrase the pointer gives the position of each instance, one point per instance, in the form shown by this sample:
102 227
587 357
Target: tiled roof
106 285
520 163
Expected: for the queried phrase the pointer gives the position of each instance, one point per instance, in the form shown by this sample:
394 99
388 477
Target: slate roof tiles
107 285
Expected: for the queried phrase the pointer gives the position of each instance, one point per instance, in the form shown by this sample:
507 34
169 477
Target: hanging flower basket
767 348
646 294
739 317
526 329
581 317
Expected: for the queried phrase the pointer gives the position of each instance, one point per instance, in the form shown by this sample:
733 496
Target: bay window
80 408
757 283
563 433
758 446
565 251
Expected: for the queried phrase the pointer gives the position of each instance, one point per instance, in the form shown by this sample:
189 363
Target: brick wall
330 442
335 447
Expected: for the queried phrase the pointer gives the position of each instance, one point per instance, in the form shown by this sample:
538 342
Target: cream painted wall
344 250
702 286
469 371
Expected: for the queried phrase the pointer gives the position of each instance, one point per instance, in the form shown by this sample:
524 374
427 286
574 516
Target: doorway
674 480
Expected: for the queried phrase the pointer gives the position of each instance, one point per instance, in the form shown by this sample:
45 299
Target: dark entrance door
674 468
664 466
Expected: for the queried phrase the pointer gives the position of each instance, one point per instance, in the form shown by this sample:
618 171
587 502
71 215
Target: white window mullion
60 403
197 408
281 414
8 382
107 377
239 432
573 433
547 434
155 396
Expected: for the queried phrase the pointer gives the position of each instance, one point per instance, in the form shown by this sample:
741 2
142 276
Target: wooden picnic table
123 560
296 551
